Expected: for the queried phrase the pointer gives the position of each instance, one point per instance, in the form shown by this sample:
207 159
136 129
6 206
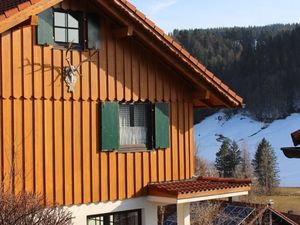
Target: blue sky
170 14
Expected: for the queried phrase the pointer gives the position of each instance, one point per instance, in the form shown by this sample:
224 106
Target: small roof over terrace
199 189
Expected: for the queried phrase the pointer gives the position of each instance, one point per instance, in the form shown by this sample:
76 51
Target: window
134 125
59 27
120 218
66 27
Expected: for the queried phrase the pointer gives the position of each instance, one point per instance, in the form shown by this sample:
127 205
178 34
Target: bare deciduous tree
203 167
245 169
25 208
29 209
207 213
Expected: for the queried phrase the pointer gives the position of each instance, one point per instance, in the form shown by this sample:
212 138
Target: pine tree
265 167
228 159
222 162
235 158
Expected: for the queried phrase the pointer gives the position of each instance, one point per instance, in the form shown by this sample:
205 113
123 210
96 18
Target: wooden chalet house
96 111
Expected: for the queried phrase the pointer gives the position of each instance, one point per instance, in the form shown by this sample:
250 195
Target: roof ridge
206 179
225 179
170 181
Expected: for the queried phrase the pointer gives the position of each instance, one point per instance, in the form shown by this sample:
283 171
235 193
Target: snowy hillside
247 131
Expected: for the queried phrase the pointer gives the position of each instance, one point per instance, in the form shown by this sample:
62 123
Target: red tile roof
11 7
9 4
198 187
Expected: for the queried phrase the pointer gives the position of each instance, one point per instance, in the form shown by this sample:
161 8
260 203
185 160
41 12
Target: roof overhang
200 189
168 200
291 152
24 11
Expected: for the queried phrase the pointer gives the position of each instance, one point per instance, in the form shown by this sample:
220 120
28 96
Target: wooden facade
49 138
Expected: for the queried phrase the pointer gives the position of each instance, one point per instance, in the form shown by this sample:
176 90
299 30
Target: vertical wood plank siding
51 137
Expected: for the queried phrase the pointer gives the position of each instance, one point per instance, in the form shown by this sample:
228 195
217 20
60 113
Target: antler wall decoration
71 72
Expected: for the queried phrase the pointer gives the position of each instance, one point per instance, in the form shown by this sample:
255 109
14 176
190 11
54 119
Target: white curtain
133 135
133 124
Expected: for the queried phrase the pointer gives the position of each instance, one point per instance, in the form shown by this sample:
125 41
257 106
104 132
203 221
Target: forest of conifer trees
262 64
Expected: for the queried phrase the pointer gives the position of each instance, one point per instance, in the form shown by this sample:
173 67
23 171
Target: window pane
73 36
140 115
95 221
60 19
124 120
72 21
140 124
124 115
121 218
60 34
111 220
133 124
133 218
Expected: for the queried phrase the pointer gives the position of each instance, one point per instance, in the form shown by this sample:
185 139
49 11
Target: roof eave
230 98
292 152
196 198
23 11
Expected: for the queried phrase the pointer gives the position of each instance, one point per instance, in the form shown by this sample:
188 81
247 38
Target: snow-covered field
249 132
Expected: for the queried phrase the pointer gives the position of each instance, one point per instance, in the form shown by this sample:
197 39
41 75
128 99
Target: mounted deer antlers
71 72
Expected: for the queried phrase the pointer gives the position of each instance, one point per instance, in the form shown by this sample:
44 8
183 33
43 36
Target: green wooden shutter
109 115
162 125
45 27
93 22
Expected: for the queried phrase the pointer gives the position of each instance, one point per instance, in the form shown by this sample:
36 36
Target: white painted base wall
149 210
148 205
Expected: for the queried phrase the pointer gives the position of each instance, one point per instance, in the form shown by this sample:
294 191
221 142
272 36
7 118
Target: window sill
133 148
65 46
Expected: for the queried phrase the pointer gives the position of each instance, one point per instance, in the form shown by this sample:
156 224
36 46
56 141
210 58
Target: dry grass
285 199
207 213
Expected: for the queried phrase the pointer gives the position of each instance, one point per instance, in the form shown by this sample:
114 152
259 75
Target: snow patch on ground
244 130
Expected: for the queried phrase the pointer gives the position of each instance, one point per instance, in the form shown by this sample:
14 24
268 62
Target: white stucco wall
149 210
148 205
183 214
